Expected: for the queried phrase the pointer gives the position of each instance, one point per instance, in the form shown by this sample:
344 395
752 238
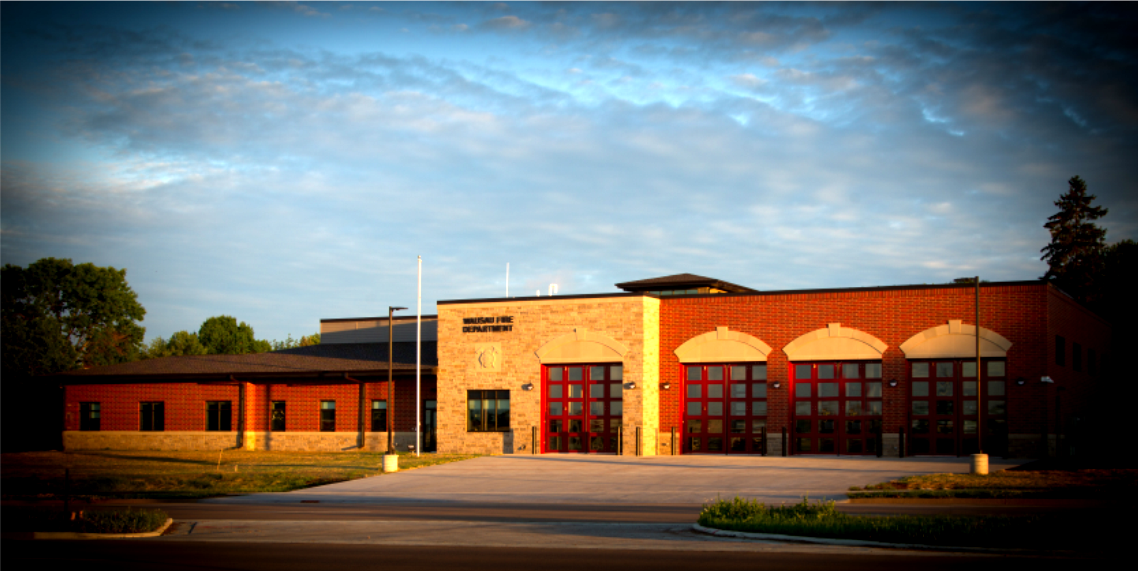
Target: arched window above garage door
955 340
834 343
582 346
723 346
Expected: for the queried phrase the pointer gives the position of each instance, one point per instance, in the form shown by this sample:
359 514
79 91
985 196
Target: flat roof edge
381 318
544 297
755 293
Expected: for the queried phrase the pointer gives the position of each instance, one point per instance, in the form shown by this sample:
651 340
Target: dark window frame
327 416
88 421
151 416
219 416
379 415
486 421
1060 351
278 423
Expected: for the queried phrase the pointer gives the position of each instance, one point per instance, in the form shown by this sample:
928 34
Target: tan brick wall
624 319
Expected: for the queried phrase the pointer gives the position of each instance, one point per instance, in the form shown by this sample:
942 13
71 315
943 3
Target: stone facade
134 440
281 441
600 328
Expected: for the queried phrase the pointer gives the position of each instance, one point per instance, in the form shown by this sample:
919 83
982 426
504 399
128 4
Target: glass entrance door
430 426
584 408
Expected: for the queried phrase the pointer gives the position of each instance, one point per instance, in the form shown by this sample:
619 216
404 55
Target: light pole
394 460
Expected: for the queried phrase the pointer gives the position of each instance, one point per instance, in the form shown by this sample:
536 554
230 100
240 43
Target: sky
287 162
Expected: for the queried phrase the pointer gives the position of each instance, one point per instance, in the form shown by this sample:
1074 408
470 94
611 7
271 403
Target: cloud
297 7
506 23
252 175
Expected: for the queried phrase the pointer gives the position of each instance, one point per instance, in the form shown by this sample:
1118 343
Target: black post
785 442
880 443
1058 424
763 436
901 442
673 441
1043 452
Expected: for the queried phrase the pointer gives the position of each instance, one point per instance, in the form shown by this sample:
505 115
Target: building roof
682 281
311 361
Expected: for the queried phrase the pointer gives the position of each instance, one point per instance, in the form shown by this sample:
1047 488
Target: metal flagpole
418 360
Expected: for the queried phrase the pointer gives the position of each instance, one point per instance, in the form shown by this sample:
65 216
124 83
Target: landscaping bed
108 474
42 519
1009 484
823 520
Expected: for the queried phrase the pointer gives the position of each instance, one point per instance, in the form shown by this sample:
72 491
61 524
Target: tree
1075 254
222 335
290 343
59 316
180 343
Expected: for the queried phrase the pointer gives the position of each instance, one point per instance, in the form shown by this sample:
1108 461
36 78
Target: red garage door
837 407
583 407
725 409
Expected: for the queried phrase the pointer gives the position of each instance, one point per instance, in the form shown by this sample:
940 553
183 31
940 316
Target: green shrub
121 521
822 519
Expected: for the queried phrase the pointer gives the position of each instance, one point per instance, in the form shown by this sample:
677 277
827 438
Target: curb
849 542
78 535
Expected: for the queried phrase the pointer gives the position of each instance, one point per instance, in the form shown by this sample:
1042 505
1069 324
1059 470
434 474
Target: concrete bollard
391 463
980 464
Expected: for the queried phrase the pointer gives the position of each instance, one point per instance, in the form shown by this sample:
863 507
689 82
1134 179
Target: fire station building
682 364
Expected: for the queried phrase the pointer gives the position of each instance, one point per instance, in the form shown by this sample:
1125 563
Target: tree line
58 316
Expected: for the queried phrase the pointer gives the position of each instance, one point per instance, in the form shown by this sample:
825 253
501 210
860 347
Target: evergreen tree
1075 254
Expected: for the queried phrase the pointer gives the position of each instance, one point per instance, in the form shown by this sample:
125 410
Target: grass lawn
1015 483
155 474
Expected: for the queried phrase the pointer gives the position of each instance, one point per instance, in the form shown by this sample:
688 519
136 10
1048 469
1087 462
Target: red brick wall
1075 389
1018 312
185 404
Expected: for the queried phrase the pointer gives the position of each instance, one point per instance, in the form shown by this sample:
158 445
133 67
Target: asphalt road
498 512
129 555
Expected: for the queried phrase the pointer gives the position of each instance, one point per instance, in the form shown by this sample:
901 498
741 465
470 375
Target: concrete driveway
551 479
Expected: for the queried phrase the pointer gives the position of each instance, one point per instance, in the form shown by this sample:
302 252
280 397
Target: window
152 416
1076 356
1060 350
488 411
88 416
379 416
219 416
277 416
327 416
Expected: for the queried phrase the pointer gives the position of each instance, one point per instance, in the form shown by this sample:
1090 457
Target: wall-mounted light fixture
527 387
1021 382
1046 380
666 386
629 386
892 383
777 384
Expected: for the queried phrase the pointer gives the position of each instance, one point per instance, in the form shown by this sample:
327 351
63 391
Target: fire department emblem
489 356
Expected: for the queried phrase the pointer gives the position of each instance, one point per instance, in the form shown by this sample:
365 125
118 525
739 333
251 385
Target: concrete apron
554 479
